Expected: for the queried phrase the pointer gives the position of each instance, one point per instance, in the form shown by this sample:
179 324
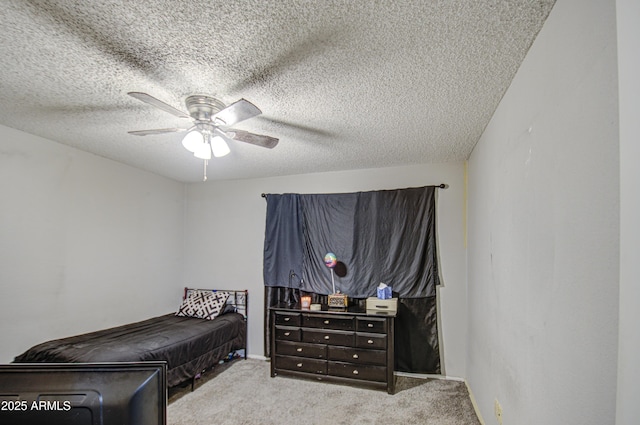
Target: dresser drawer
360 356
301 349
285 333
371 324
328 337
287 319
343 323
300 364
376 341
355 371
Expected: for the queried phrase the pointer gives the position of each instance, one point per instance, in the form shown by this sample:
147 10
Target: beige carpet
244 393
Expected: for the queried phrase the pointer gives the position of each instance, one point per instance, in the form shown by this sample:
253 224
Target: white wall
543 230
225 236
85 243
628 407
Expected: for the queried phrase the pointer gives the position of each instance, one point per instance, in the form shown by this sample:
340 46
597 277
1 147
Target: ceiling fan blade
254 139
158 104
156 131
238 111
225 136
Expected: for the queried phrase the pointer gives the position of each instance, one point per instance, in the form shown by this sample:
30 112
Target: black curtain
379 236
283 242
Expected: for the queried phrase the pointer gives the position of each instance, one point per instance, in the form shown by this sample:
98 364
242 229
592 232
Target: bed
201 334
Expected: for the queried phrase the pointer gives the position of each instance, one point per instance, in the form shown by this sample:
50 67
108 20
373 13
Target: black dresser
348 346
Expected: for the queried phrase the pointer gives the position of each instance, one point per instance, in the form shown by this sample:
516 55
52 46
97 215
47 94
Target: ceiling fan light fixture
208 114
193 140
203 151
219 146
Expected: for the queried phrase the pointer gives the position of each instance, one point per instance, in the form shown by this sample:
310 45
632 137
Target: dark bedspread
188 345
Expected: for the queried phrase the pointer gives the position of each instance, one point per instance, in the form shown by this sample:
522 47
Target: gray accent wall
544 196
85 243
628 25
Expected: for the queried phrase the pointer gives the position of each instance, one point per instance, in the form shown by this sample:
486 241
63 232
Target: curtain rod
441 186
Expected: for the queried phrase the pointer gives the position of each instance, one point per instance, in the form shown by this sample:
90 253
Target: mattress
187 344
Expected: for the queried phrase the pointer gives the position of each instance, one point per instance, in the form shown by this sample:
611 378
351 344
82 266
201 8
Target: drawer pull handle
355 356
287 333
355 372
326 337
370 341
299 350
370 325
286 319
299 365
326 322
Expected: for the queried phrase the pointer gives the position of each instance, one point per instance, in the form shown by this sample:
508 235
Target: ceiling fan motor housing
203 108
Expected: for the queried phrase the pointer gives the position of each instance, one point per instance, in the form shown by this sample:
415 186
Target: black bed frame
240 300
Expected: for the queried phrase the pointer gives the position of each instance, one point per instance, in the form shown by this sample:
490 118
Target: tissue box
384 293
376 305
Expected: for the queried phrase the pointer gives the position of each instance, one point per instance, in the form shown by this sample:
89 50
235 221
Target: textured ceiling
343 84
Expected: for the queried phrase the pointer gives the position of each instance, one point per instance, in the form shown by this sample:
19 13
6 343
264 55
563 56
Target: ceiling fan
211 131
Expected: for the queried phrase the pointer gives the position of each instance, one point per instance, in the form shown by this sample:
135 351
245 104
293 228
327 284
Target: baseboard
256 357
428 376
475 405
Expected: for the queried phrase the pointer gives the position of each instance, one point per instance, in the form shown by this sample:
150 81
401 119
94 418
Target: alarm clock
337 301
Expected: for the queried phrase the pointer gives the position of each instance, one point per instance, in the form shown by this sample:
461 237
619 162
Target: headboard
237 298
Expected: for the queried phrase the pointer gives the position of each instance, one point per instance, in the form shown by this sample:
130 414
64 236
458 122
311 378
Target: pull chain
206 162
